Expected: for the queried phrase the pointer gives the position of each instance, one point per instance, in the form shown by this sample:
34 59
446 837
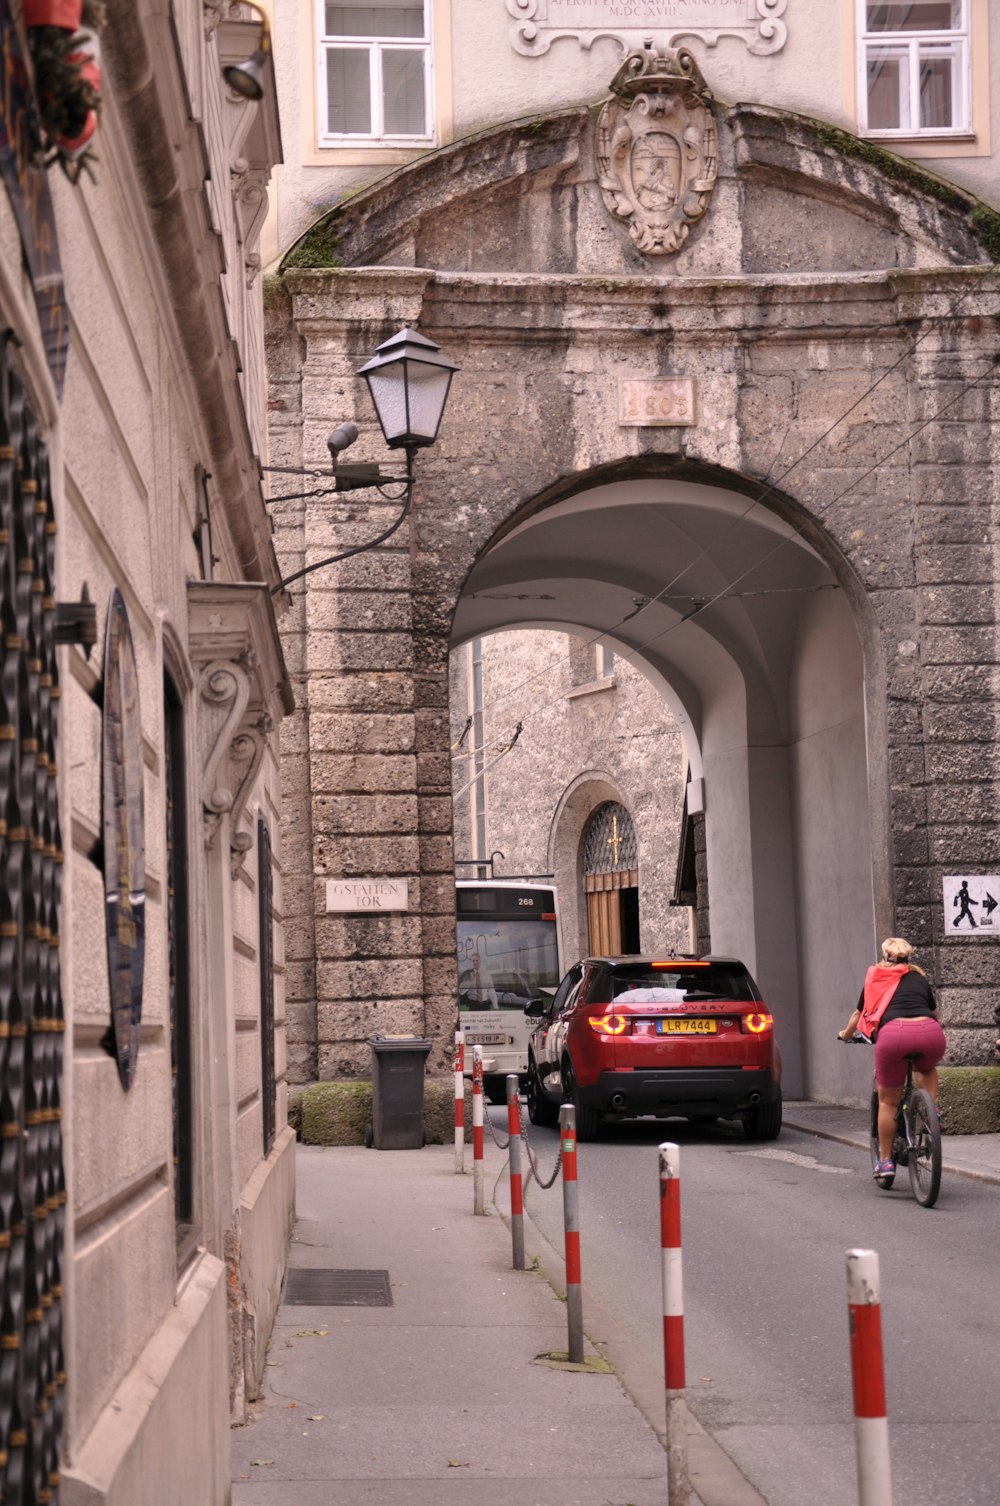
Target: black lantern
408 379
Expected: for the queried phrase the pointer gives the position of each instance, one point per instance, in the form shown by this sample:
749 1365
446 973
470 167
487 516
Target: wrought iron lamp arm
370 543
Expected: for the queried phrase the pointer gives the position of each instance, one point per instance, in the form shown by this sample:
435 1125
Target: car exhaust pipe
754 1099
618 1100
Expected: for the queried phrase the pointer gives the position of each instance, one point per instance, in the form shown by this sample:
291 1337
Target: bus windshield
502 964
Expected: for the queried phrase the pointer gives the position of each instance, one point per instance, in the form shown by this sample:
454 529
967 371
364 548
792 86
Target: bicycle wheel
885 1182
923 1132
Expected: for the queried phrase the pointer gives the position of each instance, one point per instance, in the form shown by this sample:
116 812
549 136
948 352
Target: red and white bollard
678 1485
516 1180
871 1424
478 1202
571 1220
459 1102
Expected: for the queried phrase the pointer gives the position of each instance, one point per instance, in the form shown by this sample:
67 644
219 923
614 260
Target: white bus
508 954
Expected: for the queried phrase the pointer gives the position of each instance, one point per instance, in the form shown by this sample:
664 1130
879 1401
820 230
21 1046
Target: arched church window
611 881
610 844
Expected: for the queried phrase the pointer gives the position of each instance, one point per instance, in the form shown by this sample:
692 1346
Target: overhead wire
768 488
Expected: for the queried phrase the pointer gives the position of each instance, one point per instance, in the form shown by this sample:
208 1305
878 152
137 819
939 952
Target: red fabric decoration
66 14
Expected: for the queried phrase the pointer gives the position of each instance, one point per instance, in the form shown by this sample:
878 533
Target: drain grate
328 1288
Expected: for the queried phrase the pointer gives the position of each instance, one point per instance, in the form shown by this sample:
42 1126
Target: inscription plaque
656 402
367 896
539 23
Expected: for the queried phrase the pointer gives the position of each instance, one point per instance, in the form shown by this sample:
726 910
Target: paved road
765 1230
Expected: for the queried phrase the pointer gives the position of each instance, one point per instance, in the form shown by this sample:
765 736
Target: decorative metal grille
265 899
32 1186
322 1287
177 954
610 842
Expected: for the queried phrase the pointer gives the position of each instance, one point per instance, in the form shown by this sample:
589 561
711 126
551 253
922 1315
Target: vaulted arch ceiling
701 587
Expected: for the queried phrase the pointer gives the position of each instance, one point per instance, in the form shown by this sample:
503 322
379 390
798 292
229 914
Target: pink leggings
921 1037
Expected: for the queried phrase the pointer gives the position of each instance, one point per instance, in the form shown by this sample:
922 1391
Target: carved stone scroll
539 23
657 148
242 688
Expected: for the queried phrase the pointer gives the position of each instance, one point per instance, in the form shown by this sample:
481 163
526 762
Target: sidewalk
975 1156
442 1397
445 1397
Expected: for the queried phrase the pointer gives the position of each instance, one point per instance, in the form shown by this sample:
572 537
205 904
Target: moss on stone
970 1100
983 221
439 1110
986 223
319 247
275 293
295 1110
338 1113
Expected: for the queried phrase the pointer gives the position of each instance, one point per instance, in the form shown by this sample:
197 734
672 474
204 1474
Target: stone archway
805 362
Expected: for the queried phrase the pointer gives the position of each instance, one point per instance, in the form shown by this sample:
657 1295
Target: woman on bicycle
897 1011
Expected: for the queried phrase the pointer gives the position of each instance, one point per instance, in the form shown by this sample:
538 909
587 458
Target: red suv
685 1036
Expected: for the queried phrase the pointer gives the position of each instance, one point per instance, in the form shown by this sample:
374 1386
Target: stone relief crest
657 149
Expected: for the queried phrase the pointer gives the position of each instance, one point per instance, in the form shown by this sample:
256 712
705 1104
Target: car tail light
757 1024
609 1024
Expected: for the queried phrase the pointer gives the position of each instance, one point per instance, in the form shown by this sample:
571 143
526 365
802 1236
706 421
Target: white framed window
375 75
914 67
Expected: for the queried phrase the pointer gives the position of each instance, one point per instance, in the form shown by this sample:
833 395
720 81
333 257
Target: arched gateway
763 470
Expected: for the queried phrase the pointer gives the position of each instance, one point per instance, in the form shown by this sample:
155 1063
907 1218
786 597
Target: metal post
871 1424
678 1484
516 1183
478 1203
571 1219
459 1102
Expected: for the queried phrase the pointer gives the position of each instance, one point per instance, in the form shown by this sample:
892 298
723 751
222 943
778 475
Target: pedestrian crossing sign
972 904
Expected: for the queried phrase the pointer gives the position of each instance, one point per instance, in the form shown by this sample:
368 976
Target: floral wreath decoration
66 61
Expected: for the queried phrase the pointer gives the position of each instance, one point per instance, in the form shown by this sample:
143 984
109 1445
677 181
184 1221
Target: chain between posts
500 1144
533 1164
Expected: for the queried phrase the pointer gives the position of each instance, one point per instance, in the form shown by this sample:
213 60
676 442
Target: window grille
610 843
32 1185
178 950
265 900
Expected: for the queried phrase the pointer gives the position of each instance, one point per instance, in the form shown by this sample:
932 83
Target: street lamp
409 379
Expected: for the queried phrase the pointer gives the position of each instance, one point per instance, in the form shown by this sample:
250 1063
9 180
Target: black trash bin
397 1091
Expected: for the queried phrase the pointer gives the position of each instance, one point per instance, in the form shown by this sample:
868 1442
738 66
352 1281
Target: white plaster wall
483 81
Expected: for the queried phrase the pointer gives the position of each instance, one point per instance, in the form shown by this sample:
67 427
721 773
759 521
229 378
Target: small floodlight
246 78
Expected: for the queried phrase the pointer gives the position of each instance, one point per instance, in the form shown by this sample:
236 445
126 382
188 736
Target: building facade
568 767
147 1168
726 401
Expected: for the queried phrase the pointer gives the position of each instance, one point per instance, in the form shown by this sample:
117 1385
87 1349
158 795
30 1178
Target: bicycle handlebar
853 1040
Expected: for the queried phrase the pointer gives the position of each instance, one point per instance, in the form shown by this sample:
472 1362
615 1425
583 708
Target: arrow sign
989 904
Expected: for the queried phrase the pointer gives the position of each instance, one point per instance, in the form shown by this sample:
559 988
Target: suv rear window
676 982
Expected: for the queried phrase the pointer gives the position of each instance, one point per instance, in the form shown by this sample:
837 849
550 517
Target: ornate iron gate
32 1186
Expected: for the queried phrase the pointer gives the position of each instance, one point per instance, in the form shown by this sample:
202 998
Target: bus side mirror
534 1009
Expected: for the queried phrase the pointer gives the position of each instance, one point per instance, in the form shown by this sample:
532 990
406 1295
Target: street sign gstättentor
972 904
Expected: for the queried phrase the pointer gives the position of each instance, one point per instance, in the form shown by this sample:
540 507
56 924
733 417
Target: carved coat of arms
657 150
